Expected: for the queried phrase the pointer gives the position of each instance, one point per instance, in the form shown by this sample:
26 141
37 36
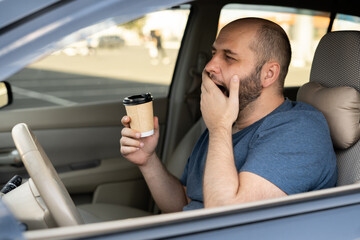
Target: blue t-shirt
291 147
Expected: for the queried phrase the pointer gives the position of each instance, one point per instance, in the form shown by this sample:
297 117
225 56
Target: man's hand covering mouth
222 88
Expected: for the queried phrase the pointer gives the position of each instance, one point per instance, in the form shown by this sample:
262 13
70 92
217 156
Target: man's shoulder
295 116
302 107
295 107
297 112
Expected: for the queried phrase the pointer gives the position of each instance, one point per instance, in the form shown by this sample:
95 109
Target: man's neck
255 111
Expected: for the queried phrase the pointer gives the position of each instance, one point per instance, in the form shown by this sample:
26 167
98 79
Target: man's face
232 56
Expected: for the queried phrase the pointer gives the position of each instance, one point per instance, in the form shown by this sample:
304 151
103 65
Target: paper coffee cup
140 109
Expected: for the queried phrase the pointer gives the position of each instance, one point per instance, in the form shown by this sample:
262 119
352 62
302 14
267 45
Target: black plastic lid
138 99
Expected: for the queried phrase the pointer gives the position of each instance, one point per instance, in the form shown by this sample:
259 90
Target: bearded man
258 145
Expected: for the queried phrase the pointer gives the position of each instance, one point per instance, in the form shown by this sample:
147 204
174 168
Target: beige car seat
334 90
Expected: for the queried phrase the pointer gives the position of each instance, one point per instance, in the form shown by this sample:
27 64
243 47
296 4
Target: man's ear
269 73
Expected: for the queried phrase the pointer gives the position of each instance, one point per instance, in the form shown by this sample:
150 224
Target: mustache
223 88
213 77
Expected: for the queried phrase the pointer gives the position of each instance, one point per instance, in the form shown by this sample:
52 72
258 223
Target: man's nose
213 65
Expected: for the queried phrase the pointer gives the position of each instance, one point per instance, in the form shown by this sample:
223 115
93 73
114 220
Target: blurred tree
136 25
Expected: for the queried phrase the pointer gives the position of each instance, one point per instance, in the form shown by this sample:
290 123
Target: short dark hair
272 43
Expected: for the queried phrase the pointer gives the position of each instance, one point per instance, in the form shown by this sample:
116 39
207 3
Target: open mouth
223 90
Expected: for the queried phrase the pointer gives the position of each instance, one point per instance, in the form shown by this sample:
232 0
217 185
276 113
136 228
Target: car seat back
178 159
334 90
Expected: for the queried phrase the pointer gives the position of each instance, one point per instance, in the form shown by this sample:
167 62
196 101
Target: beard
250 89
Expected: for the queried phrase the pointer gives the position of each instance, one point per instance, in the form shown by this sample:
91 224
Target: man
257 145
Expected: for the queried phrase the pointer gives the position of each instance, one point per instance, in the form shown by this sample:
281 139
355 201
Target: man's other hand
134 148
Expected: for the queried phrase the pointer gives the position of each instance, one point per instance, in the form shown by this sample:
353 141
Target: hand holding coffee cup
140 110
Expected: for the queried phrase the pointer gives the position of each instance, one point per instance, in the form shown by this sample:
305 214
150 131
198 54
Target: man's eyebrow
227 51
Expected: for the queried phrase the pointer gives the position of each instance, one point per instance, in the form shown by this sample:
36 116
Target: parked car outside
111 42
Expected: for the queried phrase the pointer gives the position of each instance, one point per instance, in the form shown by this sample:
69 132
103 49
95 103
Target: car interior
334 90
79 171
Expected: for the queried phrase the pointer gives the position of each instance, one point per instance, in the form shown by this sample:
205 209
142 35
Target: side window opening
120 60
346 22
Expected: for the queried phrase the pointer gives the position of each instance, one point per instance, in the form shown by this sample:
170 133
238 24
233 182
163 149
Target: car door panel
82 142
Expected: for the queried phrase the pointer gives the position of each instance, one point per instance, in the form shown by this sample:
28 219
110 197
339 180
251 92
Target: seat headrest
337 60
341 108
335 84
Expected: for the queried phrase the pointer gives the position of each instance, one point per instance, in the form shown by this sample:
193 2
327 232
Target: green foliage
135 25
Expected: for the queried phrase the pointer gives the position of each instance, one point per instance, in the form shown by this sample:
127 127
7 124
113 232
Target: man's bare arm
167 191
222 183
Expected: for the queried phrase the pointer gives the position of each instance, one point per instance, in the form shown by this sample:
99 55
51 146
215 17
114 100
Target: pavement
104 75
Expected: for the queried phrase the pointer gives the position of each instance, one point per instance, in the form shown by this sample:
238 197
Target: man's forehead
239 30
233 38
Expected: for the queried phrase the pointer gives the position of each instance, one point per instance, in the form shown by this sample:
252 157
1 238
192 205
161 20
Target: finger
126 121
234 89
204 74
156 124
209 86
125 150
202 96
206 81
205 77
130 142
203 90
128 132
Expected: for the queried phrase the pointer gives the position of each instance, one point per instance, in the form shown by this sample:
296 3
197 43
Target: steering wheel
45 177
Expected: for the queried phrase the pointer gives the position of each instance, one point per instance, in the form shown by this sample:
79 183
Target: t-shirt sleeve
194 163
294 153
185 174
